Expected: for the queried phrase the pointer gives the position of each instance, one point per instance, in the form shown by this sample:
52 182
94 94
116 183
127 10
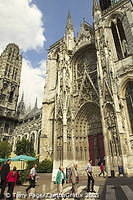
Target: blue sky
54 18
34 25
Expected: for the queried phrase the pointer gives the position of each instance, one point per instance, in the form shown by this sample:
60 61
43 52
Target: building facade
10 70
89 91
15 121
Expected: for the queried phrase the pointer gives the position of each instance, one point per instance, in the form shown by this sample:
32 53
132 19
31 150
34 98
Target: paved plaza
118 188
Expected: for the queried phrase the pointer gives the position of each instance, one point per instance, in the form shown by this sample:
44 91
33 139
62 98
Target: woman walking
60 179
11 181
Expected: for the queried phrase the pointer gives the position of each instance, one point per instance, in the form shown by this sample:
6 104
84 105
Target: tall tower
114 43
10 69
57 98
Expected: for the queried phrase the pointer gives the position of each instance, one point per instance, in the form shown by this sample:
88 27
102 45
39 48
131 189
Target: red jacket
12 177
101 167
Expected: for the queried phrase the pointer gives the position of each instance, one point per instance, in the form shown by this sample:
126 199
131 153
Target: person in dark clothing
4 172
90 184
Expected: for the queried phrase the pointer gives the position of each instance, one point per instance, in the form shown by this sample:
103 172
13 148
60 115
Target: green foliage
31 163
24 176
5 149
24 146
45 166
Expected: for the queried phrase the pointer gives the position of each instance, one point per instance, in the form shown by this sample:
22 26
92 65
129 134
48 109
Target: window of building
6 129
116 41
129 100
6 69
119 38
122 37
15 76
104 4
11 96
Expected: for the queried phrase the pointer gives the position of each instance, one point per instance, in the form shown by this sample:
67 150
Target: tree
45 166
24 146
5 149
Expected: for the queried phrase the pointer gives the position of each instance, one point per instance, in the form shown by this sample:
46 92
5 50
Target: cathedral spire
36 106
22 98
69 33
69 24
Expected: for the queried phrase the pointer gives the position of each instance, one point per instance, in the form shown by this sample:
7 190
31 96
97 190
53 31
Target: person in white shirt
32 178
90 185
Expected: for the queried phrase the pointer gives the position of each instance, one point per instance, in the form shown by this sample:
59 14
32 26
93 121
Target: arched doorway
88 134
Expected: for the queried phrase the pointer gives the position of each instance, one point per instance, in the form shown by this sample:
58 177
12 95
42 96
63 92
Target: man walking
4 172
32 178
74 178
90 185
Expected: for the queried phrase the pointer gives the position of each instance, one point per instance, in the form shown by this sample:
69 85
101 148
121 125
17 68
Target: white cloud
21 23
32 82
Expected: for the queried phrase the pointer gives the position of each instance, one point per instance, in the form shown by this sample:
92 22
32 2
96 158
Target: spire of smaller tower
22 98
69 24
29 109
21 107
36 107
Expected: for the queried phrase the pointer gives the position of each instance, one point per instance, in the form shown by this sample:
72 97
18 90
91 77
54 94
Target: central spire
69 24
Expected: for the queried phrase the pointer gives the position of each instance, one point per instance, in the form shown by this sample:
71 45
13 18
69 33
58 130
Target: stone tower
114 44
10 69
89 92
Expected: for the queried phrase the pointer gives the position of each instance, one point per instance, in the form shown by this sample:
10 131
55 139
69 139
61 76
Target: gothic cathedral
88 103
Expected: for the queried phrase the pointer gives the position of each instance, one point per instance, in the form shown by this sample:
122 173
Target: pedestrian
102 168
74 178
90 184
11 181
32 178
60 179
4 172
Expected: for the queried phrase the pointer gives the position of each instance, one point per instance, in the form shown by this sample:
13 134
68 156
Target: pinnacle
22 98
69 23
36 104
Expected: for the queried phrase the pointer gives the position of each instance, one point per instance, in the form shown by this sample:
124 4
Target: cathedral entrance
96 148
88 134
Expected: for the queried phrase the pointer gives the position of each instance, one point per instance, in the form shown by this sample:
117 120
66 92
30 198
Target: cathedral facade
87 109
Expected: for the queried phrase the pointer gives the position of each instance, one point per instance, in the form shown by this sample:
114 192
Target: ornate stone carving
124 70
